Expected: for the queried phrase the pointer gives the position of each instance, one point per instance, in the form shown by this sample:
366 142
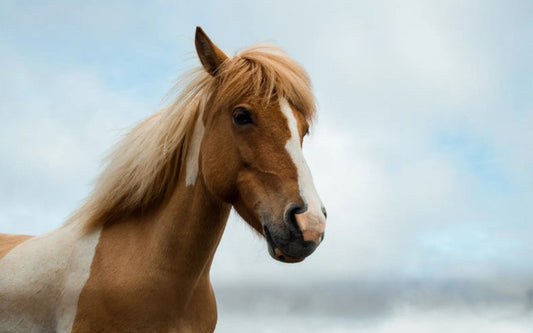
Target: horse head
250 154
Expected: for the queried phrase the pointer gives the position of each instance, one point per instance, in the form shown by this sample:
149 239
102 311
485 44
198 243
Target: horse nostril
290 219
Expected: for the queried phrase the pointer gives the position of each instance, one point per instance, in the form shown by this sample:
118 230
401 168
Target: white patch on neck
41 280
305 180
192 163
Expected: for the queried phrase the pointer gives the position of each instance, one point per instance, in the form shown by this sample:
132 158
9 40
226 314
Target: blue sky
422 151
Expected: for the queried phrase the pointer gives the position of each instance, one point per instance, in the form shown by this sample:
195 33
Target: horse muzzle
297 237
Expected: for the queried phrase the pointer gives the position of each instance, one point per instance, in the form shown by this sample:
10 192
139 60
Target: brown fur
8 242
146 277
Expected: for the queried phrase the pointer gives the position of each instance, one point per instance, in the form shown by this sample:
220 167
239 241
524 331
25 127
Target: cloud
57 125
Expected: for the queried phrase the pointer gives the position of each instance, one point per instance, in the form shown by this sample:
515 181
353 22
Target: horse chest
144 308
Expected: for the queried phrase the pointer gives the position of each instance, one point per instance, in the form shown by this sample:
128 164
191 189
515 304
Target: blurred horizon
374 306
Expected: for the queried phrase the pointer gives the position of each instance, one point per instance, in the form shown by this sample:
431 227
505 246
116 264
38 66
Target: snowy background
422 152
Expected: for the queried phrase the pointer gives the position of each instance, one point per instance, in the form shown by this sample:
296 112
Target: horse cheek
220 166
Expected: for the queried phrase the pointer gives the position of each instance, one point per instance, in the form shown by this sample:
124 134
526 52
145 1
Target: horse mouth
276 253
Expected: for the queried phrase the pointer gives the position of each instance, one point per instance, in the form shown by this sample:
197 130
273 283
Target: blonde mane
144 168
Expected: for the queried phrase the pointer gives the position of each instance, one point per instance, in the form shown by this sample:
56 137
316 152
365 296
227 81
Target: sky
422 151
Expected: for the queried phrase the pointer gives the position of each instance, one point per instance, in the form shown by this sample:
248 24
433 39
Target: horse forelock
145 166
264 71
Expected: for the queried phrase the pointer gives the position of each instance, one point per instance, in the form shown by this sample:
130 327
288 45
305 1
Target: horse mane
145 166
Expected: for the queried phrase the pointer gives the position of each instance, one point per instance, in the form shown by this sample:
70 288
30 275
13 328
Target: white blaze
305 180
41 280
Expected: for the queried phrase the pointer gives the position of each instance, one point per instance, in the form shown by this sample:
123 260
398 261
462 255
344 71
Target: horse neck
187 229
176 242
158 263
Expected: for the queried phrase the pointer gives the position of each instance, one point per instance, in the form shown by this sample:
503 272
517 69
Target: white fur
305 180
41 280
192 163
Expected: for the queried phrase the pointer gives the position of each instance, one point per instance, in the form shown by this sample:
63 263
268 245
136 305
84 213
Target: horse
136 256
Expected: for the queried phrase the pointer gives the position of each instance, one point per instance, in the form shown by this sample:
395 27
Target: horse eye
241 116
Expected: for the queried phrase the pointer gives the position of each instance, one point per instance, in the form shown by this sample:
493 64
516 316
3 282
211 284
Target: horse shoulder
8 242
40 279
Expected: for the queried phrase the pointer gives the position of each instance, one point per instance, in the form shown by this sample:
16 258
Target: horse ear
210 55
